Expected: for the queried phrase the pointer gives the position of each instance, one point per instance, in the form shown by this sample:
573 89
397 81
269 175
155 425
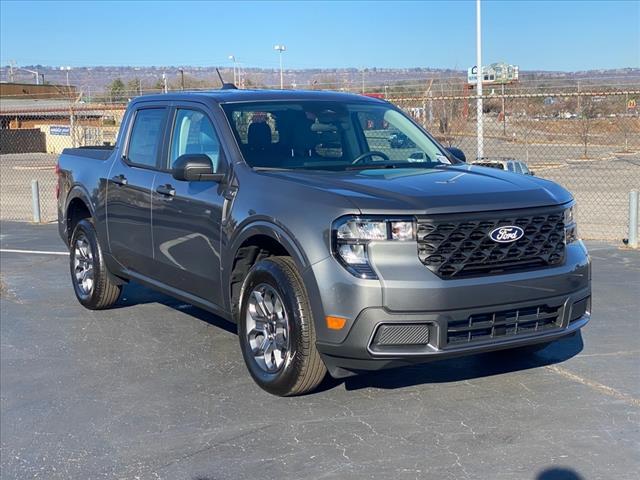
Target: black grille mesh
463 247
487 326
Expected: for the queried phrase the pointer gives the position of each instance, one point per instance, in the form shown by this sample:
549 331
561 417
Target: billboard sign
495 73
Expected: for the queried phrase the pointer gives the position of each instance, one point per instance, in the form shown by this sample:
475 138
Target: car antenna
225 86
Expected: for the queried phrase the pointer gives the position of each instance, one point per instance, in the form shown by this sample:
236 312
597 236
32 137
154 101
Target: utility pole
504 115
164 83
181 70
480 131
363 81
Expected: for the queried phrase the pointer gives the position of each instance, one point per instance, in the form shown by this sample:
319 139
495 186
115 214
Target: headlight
351 236
570 225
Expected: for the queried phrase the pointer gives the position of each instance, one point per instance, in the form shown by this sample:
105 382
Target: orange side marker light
335 323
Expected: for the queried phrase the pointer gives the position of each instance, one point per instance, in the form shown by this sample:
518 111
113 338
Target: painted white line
32 252
599 387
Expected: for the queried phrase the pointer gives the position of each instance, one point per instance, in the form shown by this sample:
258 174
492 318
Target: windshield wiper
271 169
398 165
371 167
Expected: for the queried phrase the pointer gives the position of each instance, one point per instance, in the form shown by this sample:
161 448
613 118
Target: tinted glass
321 135
510 166
145 136
193 133
518 167
525 169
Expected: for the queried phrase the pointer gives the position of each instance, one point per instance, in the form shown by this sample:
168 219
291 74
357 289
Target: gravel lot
157 389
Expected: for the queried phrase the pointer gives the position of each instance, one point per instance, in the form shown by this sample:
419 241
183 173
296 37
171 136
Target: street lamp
66 69
233 59
181 70
280 49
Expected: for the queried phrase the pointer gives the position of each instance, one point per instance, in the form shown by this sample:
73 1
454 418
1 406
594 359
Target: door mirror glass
194 167
456 152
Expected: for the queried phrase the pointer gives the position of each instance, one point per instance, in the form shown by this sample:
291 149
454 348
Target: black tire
303 369
103 292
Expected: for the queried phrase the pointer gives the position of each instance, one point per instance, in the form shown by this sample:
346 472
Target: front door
187 215
129 188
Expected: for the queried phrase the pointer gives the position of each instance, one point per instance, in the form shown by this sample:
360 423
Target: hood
447 189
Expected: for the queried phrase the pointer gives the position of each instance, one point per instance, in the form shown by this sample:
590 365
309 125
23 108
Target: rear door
187 215
129 188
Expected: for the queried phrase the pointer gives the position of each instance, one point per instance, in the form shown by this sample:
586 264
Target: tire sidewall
86 227
274 275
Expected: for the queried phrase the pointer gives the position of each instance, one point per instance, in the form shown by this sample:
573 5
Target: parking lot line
612 392
32 252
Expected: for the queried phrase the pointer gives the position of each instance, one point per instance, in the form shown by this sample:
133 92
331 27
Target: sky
536 35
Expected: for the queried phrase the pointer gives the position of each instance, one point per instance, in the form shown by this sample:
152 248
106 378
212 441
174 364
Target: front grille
507 323
456 246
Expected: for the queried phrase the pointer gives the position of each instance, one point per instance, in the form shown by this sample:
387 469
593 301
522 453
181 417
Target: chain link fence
588 141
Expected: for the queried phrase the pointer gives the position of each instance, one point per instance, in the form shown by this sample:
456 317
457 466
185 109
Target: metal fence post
633 219
35 200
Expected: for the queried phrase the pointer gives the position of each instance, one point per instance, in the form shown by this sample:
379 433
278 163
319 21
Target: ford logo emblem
506 234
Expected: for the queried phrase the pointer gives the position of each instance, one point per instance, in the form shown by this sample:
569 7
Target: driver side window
193 132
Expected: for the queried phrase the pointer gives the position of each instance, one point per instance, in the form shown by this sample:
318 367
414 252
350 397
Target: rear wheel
276 330
92 283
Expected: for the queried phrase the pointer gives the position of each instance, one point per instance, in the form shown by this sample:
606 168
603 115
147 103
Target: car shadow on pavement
466 368
440 371
136 294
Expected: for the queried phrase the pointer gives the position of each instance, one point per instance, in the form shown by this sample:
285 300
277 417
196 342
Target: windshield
322 135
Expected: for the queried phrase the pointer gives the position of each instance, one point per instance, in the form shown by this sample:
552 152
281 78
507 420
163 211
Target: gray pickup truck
289 213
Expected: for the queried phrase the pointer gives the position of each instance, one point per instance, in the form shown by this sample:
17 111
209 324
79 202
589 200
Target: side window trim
161 137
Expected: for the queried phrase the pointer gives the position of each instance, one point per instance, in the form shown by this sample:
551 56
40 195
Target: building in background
48 119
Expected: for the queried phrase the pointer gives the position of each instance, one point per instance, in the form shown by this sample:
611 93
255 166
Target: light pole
66 69
181 70
479 78
280 48
32 72
233 59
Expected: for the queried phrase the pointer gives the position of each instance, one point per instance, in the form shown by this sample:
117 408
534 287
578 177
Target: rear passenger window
510 166
147 129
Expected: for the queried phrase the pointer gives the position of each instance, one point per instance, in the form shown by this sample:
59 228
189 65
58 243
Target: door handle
166 190
119 179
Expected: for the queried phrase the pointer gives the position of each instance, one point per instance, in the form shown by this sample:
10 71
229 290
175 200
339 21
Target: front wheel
276 330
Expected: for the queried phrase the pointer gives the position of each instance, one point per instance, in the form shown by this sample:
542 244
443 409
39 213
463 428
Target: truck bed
97 153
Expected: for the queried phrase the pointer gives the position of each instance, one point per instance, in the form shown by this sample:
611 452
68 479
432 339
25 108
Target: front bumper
500 311
361 352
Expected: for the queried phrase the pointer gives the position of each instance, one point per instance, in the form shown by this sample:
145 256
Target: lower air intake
401 334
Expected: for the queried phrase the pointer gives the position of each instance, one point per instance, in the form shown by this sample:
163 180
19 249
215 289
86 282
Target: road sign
632 104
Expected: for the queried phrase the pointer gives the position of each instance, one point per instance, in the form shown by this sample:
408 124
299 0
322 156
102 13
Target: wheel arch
254 242
78 206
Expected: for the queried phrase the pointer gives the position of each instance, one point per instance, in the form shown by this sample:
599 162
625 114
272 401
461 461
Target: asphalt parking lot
158 389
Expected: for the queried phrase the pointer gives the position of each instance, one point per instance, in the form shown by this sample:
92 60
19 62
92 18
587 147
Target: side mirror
456 152
532 173
194 167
